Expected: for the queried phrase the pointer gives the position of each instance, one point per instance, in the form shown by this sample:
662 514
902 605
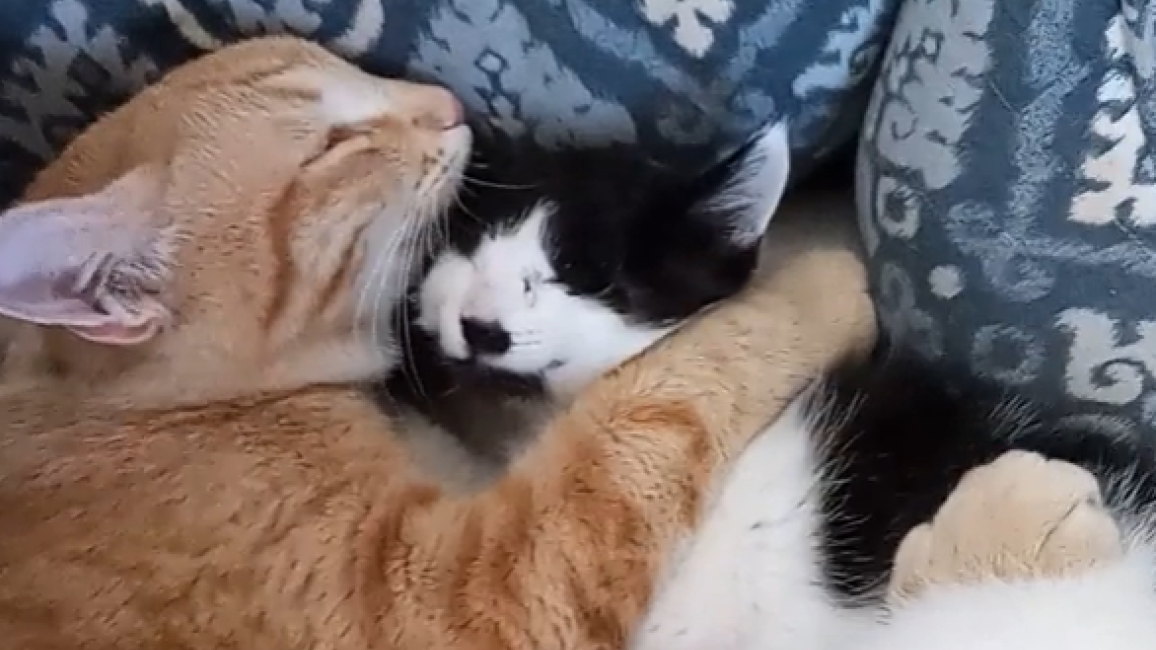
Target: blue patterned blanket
685 78
1007 191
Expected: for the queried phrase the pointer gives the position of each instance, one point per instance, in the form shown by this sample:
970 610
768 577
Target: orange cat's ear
96 265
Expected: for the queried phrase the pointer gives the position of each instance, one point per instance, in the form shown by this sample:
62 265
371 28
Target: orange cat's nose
444 110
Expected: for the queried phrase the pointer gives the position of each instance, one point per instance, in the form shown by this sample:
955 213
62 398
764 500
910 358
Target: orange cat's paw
1019 517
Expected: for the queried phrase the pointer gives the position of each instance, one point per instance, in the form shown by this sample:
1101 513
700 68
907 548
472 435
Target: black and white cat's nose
485 337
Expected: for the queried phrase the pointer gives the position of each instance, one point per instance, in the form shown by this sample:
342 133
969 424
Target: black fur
626 230
913 429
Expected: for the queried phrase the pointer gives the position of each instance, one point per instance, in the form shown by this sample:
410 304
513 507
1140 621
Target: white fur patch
1109 608
509 281
751 578
345 96
759 184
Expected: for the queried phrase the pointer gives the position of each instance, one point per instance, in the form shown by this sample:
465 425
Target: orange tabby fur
225 484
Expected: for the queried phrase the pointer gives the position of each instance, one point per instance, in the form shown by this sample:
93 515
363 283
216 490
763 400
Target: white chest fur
751 578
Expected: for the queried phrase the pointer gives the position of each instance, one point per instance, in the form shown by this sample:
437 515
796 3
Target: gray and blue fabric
684 78
1007 193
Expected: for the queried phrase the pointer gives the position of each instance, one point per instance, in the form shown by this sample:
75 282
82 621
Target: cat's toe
914 565
1083 532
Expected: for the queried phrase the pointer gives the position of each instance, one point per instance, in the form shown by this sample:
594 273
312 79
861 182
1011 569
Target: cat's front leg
1021 517
564 551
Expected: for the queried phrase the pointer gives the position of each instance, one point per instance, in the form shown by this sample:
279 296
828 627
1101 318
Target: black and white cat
562 265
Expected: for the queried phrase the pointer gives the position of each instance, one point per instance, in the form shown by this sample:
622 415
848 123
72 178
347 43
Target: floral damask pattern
685 78
1007 195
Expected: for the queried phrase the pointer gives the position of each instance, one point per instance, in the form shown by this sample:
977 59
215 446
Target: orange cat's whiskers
411 254
378 282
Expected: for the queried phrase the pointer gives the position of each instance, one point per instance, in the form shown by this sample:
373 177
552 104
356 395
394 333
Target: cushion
1006 193
684 78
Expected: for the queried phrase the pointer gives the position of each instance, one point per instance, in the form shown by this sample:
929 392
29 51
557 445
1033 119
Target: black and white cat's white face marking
504 306
565 266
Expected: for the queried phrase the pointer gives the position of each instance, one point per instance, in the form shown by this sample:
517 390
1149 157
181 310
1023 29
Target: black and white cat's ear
92 264
743 191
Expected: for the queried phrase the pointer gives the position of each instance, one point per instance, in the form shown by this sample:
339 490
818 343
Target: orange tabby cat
186 459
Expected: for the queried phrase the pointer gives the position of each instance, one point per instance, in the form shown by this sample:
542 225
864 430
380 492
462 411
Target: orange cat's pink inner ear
58 258
128 332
